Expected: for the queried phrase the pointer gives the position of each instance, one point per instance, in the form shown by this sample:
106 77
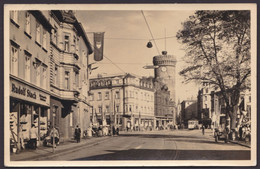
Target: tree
217 45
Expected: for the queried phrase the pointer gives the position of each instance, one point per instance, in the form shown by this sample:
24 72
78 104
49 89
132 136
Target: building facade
123 100
49 75
188 111
29 74
69 78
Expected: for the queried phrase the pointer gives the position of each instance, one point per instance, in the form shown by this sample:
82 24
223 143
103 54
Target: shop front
28 105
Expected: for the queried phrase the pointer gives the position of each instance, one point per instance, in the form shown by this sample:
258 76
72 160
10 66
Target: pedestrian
114 130
54 134
203 129
33 135
117 131
21 137
77 133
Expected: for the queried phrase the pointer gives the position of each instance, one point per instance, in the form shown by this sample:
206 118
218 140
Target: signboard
25 92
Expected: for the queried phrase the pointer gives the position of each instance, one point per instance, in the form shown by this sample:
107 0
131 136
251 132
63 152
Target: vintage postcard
130 85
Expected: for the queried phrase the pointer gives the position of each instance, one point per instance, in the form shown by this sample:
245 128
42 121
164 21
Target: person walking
54 135
33 135
203 129
77 133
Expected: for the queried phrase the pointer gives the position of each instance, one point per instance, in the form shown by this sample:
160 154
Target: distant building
165 73
125 100
188 111
205 103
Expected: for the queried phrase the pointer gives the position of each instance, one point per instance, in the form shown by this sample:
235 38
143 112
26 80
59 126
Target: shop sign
26 92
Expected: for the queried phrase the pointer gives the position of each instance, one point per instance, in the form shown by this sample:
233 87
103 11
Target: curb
57 152
235 142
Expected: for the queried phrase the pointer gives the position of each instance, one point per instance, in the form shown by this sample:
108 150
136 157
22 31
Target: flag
98 45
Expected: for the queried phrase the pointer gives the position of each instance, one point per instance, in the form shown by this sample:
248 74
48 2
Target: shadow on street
153 154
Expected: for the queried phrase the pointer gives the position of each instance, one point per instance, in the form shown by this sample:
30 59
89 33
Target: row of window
107 96
67 78
25 67
128 108
144 96
40 38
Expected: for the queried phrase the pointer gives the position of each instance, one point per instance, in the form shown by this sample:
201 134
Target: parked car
221 134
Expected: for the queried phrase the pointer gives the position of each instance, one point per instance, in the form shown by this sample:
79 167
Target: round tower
165 71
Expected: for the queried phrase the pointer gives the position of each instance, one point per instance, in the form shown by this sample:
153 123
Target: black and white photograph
130 85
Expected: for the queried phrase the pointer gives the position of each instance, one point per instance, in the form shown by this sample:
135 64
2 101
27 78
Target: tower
165 71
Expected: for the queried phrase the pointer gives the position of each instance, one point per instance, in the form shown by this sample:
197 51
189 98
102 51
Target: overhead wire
150 32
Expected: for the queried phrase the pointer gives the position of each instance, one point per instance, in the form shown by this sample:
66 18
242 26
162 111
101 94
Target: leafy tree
217 45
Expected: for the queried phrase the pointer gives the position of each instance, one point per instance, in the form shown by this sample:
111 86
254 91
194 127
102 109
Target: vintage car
221 134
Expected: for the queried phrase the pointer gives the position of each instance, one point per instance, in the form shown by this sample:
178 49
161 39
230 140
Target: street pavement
150 145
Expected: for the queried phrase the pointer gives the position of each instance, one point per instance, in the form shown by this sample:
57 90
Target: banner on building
98 45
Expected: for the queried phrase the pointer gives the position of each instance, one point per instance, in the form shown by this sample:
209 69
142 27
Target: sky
126 36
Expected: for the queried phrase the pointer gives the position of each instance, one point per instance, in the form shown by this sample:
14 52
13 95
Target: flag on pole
98 45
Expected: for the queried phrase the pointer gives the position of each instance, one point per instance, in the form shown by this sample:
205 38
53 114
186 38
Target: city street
156 145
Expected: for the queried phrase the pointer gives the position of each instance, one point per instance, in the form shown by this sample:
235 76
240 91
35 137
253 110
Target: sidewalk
209 133
42 152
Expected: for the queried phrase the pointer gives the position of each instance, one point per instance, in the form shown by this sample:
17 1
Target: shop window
44 39
28 23
107 96
67 81
28 68
38 33
14 61
66 43
14 16
99 96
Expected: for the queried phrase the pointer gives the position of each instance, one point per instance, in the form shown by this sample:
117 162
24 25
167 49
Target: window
100 109
117 108
207 90
54 35
117 94
67 81
117 81
44 39
205 98
14 16
206 106
38 72
99 96
44 77
56 71
27 68
107 109
130 108
76 79
91 97
107 96
66 43
28 23
38 33
14 61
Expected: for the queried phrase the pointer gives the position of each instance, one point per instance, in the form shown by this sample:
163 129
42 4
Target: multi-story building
69 74
205 104
29 73
188 111
125 100
49 75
